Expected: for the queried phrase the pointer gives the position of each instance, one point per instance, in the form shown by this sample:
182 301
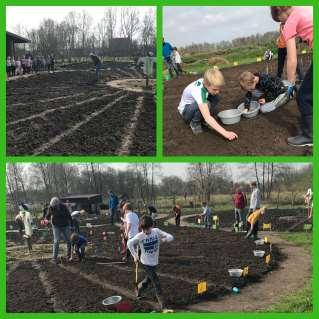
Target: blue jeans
192 113
57 231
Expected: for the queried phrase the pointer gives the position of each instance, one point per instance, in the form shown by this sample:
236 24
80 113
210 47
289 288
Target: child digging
78 243
252 223
149 240
263 88
199 101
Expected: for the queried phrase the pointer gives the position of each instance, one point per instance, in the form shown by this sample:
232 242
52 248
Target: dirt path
277 284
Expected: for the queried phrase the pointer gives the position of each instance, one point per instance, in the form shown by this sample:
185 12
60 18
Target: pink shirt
299 24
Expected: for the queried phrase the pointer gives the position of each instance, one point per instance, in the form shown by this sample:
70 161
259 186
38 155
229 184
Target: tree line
145 183
78 34
267 39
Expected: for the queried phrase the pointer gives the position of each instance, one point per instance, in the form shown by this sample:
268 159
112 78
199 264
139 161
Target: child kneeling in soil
269 91
252 223
78 244
149 240
199 101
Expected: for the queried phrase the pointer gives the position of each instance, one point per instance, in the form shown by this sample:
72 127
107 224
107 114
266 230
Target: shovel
136 278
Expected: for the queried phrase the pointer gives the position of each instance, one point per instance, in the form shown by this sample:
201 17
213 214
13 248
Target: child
252 222
207 214
199 103
177 212
8 64
177 60
78 244
27 222
149 242
308 197
167 55
131 226
263 88
76 220
152 212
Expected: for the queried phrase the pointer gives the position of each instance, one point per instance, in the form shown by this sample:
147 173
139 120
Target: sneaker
300 141
166 310
196 127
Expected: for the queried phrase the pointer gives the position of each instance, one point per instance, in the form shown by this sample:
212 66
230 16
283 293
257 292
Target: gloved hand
291 90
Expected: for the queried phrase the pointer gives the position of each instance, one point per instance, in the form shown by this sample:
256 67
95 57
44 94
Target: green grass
303 239
300 301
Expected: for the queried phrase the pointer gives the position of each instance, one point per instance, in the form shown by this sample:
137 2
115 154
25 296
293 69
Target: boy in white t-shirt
131 225
149 242
177 60
199 103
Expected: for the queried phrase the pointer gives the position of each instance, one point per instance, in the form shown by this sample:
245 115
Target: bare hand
261 101
230 135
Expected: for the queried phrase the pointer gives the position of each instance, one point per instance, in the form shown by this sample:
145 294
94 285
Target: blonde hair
246 79
213 76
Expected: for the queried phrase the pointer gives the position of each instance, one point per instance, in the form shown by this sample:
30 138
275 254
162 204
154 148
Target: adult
255 199
298 24
76 220
113 202
167 55
177 213
61 221
98 65
131 226
282 54
207 215
240 202
26 218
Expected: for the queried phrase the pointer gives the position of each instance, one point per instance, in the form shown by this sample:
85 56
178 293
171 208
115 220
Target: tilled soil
280 219
264 135
65 113
194 255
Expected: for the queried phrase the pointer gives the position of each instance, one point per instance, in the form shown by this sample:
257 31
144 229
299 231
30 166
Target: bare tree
129 22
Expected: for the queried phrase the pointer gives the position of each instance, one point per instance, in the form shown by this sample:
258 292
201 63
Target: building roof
17 38
82 196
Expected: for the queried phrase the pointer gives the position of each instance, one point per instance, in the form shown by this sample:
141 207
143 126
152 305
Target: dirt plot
66 113
194 255
280 219
264 135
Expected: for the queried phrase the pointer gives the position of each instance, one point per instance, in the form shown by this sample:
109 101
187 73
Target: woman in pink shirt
298 24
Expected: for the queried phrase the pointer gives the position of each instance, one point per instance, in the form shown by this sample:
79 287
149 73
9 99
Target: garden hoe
136 279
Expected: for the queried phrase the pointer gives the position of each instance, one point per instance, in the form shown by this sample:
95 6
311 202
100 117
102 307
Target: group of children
198 104
27 64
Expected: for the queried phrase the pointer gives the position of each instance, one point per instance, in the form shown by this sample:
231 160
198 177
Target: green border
159 158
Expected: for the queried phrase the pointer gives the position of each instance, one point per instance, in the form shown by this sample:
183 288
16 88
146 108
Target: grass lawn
300 300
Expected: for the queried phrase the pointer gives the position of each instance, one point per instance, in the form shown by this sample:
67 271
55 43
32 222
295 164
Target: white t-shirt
194 92
177 57
132 218
149 245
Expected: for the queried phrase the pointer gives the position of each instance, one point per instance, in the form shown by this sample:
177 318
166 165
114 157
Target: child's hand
136 259
261 101
230 135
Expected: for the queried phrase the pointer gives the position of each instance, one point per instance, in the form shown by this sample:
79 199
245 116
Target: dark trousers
177 220
282 54
29 243
192 113
179 68
305 103
254 232
113 215
151 277
170 66
80 252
